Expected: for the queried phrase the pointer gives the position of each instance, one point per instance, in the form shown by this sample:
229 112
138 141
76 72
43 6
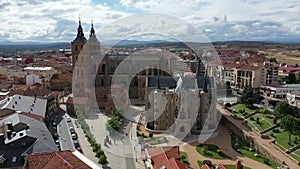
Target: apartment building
45 72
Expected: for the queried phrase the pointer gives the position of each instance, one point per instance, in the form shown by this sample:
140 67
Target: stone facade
183 109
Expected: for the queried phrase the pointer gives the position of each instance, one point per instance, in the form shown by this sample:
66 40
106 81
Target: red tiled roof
63 76
62 160
168 156
230 65
205 167
34 116
158 157
249 67
174 164
27 90
221 166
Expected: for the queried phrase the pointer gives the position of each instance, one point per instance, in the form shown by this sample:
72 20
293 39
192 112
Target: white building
293 98
45 72
277 90
33 79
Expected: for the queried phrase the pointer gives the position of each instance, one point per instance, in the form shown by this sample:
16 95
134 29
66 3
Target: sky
217 20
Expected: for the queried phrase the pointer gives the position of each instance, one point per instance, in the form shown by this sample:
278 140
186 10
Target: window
76 48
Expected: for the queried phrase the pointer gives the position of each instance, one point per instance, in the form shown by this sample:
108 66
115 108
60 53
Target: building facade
182 108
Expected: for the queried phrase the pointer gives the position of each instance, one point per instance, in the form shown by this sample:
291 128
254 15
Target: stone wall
240 133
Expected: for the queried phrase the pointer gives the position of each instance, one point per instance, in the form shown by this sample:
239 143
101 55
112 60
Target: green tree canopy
290 124
298 78
291 78
247 96
273 60
283 108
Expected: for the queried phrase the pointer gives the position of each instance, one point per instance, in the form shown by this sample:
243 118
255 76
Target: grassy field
243 148
156 140
265 121
211 151
239 108
281 139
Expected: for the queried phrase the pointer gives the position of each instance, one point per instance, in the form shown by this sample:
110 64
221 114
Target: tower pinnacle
92 32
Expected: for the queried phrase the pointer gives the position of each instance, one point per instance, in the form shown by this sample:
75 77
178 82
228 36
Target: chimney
8 133
28 127
9 126
238 164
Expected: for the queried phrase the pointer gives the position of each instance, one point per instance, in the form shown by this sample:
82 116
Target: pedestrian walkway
85 145
119 146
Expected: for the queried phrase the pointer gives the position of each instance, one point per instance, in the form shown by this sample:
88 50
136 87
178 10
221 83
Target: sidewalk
85 145
118 149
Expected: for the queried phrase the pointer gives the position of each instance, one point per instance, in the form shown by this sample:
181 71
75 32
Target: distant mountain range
10 46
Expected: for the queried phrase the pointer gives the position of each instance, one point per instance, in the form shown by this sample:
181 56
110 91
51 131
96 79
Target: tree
291 78
247 96
298 78
289 123
282 109
114 123
102 159
273 60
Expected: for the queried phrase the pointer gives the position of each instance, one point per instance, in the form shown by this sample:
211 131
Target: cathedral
94 69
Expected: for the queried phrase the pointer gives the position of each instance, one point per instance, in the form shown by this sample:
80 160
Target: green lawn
282 139
296 155
265 121
240 107
232 166
243 148
211 151
157 140
184 158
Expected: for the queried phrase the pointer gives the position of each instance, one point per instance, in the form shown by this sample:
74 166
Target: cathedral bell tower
77 44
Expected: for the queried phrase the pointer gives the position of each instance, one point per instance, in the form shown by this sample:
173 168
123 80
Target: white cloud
57 20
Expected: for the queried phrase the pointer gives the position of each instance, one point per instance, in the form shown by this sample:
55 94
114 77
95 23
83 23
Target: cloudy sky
218 20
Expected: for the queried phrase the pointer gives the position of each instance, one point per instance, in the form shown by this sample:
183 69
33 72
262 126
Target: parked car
74 136
68 119
76 143
79 149
55 136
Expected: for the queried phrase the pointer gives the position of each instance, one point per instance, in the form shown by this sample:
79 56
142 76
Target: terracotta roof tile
221 166
168 156
62 160
205 167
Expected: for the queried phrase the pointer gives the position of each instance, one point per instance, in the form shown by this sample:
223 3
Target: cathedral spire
79 29
92 32
80 35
